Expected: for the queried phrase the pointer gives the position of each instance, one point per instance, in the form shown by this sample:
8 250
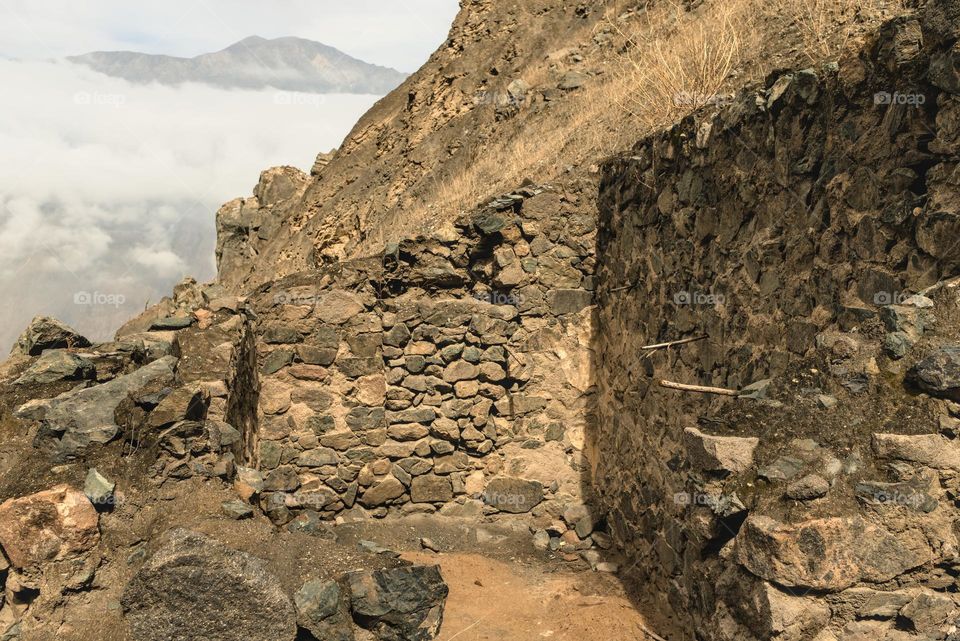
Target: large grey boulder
194 588
47 333
80 418
399 604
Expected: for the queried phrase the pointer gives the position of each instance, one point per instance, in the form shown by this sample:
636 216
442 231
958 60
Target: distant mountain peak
287 63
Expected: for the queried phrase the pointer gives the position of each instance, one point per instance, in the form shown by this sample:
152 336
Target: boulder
513 495
57 365
400 604
725 454
52 525
194 588
79 418
828 554
47 333
939 374
323 610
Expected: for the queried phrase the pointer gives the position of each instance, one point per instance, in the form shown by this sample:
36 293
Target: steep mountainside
291 64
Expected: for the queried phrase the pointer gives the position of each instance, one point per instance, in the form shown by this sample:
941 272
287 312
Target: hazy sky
394 33
108 190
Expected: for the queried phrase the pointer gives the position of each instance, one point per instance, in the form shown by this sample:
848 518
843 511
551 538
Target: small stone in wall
513 495
809 487
431 489
719 453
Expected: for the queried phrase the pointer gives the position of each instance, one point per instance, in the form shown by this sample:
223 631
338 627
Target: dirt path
493 600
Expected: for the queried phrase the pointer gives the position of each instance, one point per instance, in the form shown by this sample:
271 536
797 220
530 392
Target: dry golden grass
665 63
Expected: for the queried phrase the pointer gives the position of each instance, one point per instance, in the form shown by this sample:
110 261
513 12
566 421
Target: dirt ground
493 600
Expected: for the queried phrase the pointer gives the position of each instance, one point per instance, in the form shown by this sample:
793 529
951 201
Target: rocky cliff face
806 233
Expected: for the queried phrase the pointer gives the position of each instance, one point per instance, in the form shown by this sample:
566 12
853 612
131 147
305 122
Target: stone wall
448 374
782 227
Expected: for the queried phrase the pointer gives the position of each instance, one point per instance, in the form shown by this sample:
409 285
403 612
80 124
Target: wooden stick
699 388
683 341
652 635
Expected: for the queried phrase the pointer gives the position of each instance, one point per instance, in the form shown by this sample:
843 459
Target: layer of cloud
399 33
108 190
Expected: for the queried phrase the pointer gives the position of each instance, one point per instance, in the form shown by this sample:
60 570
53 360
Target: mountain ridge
288 63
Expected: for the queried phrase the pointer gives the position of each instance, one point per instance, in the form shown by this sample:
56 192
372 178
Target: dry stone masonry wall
449 374
794 229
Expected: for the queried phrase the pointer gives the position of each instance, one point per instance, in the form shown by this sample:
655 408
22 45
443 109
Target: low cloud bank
108 190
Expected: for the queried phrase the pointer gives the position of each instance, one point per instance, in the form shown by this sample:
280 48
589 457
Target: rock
57 365
172 323
513 495
572 80
400 604
569 301
248 483
828 554
196 589
809 487
431 489
236 510
939 374
52 525
928 611
429 544
932 450
897 344
756 390
182 404
383 492
98 489
47 333
281 335
276 361
732 454
337 306
826 402
460 371
541 540
323 610
80 418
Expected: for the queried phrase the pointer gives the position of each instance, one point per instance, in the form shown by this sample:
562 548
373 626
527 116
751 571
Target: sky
394 33
108 190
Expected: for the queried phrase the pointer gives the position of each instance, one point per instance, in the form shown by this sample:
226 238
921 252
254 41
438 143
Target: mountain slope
292 64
